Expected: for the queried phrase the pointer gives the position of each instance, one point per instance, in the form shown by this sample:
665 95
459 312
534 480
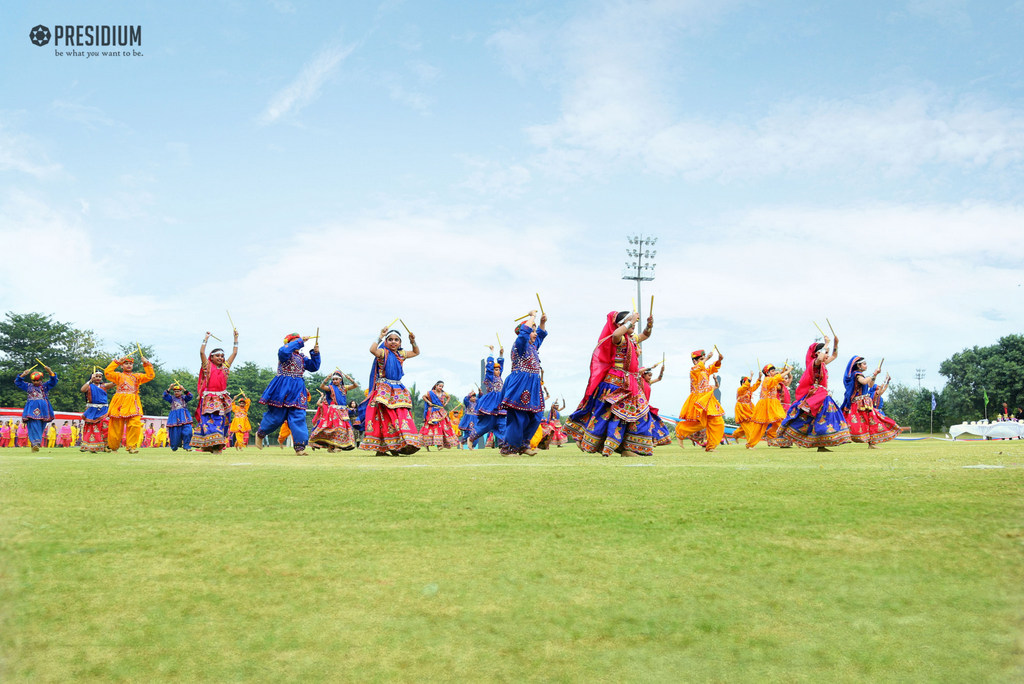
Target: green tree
911 407
69 352
997 370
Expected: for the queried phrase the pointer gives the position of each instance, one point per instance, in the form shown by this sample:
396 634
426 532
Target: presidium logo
109 37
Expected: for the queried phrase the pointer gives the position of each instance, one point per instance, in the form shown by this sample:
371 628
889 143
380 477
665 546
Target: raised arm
234 351
202 351
374 348
646 332
415 348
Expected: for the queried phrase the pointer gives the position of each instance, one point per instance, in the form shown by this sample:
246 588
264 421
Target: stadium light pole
639 267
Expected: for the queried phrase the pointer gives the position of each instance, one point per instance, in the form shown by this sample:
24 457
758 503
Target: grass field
897 565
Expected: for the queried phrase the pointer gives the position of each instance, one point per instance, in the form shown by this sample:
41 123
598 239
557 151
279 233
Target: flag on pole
933 401
984 393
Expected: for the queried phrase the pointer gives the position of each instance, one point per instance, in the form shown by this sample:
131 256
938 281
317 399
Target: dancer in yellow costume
702 413
745 406
240 425
125 411
769 411
51 436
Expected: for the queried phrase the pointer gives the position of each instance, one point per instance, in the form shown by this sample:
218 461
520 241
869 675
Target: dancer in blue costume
179 420
814 419
522 397
389 426
286 397
38 411
96 423
490 416
614 416
467 426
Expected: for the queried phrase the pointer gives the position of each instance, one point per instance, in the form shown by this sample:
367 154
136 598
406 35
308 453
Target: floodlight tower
636 268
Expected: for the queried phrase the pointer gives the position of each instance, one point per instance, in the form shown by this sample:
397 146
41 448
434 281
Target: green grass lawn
899 564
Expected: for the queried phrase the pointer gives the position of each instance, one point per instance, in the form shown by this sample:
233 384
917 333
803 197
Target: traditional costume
769 411
125 409
814 420
437 426
22 434
868 424
331 426
213 407
491 417
613 416
179 420
5 435
240 425
389 425
38 411
702 416
521 397
286 396
468 422
744 411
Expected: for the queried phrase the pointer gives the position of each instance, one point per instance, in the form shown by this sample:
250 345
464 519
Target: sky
335 165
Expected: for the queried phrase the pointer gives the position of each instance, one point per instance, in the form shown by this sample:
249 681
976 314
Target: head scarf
850 381
807 379
35 376
291 336
604 356
696 354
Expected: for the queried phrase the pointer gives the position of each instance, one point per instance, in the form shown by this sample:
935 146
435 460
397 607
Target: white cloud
23 154
620 110
305 88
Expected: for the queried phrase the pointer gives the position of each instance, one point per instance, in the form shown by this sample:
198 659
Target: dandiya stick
830 328
139 346
39 362
409 332
650 311
317 336
34 365
211 335
819 329
521 318
715 347
230 321
388 326
500 345
540 305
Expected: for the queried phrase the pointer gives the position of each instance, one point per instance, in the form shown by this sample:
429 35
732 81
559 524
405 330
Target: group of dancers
614 417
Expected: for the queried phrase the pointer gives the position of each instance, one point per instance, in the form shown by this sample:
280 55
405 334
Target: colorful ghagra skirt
826 428
331 430
611 421
868 426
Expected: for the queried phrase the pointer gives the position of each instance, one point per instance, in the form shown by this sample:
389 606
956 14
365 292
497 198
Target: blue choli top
288 389
522 390
179 414
37 405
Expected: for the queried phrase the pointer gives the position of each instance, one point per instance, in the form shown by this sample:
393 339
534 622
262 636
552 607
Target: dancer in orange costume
745 406
240 425
769 411
125 410
701 418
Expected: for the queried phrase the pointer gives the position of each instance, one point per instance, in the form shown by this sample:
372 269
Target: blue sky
337 165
